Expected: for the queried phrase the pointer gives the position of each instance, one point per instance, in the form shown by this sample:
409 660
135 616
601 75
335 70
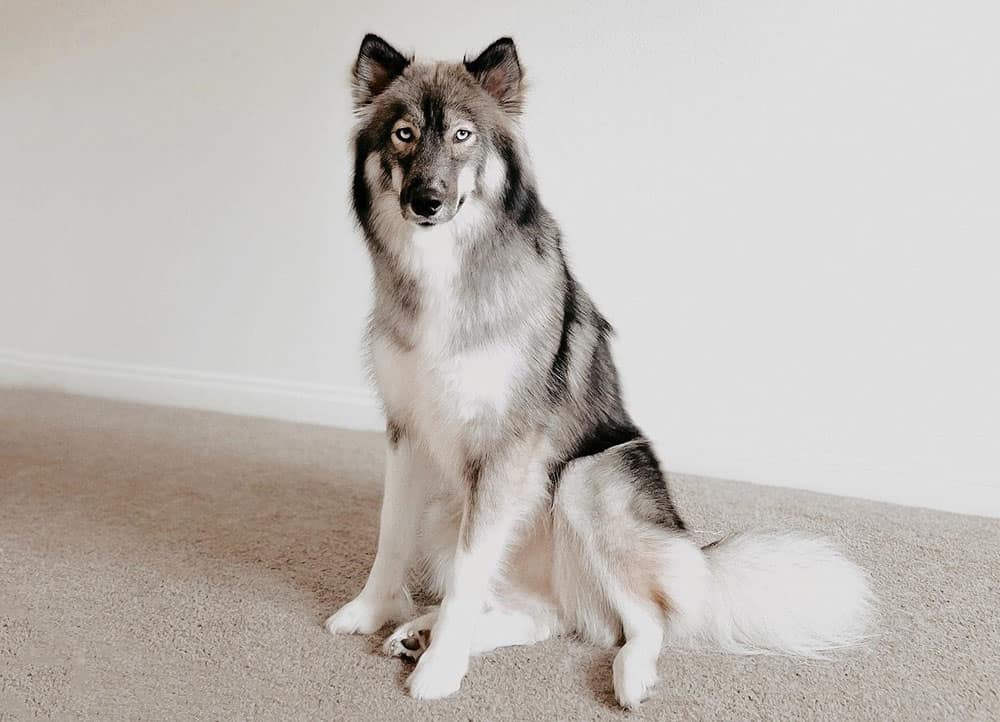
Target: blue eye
405 134
462 134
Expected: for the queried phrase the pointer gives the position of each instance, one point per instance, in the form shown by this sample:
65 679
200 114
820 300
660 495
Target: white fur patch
444 396
493 176
440 392
433 256
466 181
482 380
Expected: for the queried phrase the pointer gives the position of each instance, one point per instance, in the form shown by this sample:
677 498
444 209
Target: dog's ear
499 72
378 64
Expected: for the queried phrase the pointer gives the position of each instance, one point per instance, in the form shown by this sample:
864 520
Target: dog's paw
437 675
407 642
634 671
358 616
366 615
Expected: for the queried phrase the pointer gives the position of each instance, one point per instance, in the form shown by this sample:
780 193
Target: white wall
789 210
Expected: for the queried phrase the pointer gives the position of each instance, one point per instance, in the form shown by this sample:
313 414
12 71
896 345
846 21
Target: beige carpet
169 564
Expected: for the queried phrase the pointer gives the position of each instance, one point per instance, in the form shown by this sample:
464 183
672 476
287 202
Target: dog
515 479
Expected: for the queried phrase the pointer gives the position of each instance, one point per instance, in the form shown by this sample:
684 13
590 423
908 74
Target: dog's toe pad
407 643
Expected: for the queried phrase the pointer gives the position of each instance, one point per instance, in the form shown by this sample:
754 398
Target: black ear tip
500 50
504 45
371 40
375 46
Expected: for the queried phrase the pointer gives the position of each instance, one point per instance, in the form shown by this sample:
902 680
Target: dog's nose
425 204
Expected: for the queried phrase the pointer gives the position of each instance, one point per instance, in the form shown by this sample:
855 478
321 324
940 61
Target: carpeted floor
170 564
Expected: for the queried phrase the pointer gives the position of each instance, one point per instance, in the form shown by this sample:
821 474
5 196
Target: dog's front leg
497 497
384 597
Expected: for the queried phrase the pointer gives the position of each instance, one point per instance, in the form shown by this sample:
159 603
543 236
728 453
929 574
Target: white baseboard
356 408
343 406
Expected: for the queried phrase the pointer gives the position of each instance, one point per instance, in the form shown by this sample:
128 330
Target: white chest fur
442 394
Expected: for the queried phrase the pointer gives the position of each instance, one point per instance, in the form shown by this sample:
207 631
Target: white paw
365 615
437 675
634 675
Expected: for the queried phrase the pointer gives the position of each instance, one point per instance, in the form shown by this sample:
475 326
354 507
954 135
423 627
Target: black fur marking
607 424
555 472
520 200
433 110
602 388
386 167
394 431
638 461
406 162
388 275
408 293
602 437
644 469
528 213
361 196
559 372
472 473
368 140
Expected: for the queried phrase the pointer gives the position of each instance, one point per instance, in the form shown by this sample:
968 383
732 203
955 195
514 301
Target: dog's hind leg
632 570
634 668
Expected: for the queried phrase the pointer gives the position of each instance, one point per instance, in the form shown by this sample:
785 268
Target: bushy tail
782 593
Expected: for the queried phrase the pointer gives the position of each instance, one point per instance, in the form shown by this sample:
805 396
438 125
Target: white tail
781 593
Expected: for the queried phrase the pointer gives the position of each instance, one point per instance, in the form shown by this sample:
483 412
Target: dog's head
433 126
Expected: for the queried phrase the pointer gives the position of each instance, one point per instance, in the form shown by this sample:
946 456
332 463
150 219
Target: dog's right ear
499 72
378 64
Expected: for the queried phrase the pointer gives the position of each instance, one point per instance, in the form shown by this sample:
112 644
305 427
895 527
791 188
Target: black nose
425 204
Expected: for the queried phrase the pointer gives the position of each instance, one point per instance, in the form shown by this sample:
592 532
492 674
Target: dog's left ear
378 64
499 72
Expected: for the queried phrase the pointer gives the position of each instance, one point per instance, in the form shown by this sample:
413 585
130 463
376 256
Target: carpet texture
170 564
